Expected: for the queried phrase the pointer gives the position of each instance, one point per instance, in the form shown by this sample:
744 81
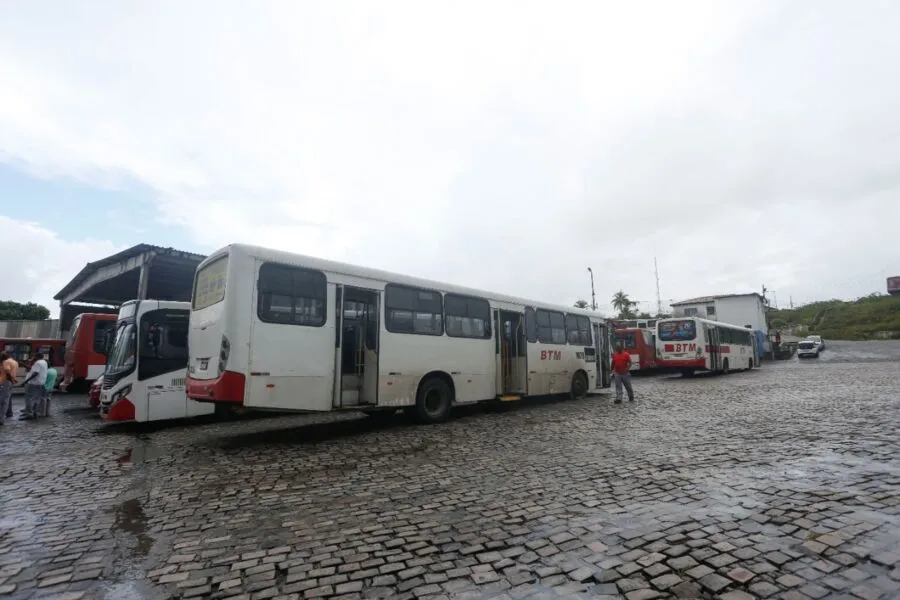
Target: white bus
693 344
144 377
271 330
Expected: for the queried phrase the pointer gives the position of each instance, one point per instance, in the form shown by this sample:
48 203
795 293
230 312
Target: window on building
711 310
291 295
467 317
690 312
413 310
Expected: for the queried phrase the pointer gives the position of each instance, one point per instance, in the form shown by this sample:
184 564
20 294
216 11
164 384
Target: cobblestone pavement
782 482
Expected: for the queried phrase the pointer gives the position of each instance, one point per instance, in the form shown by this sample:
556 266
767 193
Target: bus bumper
682 363
227 387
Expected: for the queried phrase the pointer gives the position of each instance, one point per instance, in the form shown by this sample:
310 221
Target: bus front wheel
579 386
434 401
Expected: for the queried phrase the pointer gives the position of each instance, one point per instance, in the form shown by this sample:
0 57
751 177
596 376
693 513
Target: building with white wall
736 309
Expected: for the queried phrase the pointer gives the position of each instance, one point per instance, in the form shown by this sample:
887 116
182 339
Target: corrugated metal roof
120 257
705 299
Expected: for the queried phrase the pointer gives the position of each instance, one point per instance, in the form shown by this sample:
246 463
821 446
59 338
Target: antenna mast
659 310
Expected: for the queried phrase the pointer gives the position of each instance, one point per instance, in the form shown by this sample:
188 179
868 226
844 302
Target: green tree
583 304
17 311
625 305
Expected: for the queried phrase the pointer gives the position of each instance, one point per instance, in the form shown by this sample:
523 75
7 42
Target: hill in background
869 318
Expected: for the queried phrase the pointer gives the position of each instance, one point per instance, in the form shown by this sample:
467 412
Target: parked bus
22 350
271 330
636 324
693 344
144 378
641 345
86 350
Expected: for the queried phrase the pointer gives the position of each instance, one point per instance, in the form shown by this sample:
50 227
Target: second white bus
692 344
145 373
272 330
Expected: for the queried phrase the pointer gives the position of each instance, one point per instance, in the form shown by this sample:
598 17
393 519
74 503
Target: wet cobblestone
779 483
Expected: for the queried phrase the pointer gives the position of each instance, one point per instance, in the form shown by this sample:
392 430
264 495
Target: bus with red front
691 344
641 345
86 350
22 350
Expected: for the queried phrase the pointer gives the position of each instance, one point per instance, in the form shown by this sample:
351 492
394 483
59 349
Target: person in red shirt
621 363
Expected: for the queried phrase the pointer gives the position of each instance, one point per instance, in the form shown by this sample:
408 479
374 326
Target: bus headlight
119 394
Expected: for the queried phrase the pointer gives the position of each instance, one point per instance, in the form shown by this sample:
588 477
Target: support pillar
144 278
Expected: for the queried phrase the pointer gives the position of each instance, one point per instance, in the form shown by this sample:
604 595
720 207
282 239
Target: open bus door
713 342
603 347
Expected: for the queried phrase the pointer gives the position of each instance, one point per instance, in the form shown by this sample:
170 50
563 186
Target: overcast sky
499 145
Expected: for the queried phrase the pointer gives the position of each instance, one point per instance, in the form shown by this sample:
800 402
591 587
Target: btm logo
551 354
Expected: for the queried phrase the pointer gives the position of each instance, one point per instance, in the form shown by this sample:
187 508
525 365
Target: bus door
713 341
357 346
602 352
511 353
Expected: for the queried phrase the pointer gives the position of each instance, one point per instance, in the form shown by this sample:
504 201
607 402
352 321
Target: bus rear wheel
725 367
434 401
579 387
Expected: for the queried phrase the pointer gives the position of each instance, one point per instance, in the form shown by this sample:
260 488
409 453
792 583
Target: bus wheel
750 365
434 401
725 368
579 387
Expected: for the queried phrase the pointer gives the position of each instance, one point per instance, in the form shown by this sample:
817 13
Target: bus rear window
626 339
677 331
209 287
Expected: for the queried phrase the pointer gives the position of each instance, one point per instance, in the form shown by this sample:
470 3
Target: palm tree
583 304
625 305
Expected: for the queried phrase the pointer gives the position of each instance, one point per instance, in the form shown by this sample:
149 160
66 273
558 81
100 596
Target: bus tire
725 367
579 390
434 401
750 365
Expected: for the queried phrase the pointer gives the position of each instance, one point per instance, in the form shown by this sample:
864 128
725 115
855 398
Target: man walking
34 387
8 370
621 363
48 392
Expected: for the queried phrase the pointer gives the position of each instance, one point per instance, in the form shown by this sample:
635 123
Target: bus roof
707 321
322 264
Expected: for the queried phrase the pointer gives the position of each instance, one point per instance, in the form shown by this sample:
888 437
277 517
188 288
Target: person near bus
621 366
48 392
34 387
8 369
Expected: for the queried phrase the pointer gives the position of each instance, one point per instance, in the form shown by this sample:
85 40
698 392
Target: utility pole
659 311
593 295
792 302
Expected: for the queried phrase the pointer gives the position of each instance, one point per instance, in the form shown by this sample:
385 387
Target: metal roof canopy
143 271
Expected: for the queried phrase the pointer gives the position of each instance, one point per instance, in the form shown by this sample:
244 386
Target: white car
808 348
818 340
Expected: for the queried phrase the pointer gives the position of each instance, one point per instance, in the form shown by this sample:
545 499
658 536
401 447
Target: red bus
86 350
23 349
641 345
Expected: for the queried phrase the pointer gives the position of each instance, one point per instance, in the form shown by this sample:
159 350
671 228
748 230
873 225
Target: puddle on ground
140 452
130 519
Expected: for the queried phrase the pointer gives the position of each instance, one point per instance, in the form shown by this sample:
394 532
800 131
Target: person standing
8 370
48 392
34 387
621 363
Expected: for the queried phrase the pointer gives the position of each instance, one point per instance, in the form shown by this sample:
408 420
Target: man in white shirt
34 387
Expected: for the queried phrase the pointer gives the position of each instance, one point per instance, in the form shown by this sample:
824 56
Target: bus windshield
677 331
122 355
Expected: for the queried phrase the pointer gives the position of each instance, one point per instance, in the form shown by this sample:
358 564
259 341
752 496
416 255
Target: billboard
893 285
